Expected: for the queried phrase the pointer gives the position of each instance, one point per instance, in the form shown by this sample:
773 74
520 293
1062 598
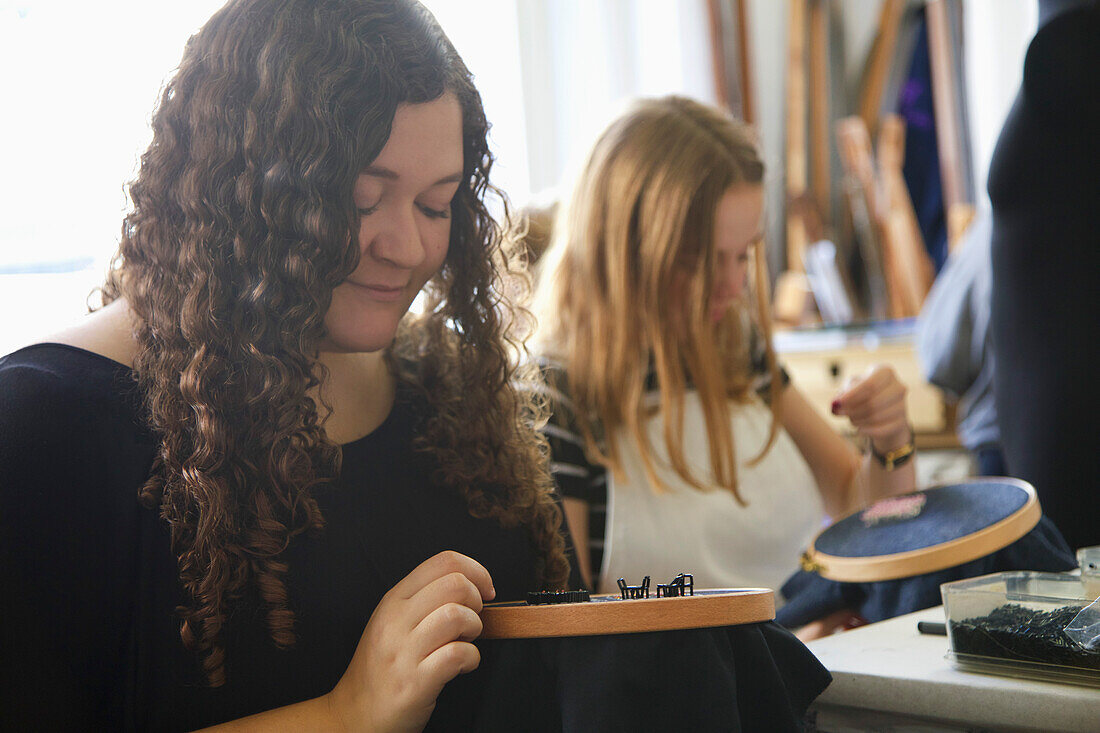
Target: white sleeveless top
708 534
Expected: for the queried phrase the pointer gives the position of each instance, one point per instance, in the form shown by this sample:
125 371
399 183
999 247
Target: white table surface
890 668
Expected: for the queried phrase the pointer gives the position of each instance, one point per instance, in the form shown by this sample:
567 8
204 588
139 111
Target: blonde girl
677 440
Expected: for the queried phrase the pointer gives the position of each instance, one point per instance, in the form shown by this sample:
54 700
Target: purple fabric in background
922 160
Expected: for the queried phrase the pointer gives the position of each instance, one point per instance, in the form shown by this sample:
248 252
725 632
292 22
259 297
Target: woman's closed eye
724 258
428 211
431 213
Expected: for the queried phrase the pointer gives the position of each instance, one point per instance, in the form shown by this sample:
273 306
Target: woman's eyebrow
453 178
380 172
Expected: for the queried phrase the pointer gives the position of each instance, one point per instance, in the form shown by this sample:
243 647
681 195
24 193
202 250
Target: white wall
79 83
997 33
582 60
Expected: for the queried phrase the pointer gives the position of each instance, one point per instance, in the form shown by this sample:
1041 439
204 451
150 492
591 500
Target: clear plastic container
1089 560
1013 623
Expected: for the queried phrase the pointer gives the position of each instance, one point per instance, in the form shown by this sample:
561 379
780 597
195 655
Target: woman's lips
382 293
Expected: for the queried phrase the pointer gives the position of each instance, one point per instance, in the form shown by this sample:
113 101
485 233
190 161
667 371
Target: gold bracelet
897 457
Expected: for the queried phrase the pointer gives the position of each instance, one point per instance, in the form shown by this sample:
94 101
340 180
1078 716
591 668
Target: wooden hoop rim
705 609
934 557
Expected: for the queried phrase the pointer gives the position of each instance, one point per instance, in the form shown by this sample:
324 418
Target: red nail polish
836 407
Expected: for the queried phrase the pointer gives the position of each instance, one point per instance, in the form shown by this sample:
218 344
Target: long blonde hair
642 210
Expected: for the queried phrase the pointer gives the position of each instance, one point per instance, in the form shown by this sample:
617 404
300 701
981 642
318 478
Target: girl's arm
875 404
576 516
573 473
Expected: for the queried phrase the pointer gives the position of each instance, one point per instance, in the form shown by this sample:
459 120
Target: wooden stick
945 91
718 52
863 230
902 235
796 130
727 21
878 62
819 111
854 144
744 50
959 217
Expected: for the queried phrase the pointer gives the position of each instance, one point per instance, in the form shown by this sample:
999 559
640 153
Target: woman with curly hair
252 484
677 441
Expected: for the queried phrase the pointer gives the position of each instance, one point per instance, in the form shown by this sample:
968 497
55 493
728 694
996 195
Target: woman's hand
417 640
875 404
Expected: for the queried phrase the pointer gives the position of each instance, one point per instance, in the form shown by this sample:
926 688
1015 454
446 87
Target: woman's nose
731 280
398 241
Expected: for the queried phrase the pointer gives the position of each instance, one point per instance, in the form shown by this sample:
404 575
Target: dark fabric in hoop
810 596
949 512
750 677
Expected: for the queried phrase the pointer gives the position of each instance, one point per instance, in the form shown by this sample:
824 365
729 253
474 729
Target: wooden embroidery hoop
934 557
609 614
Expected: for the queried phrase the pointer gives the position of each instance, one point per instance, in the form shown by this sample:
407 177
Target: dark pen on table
932 627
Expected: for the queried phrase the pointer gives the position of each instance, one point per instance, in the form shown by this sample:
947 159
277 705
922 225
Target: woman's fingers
446 663
876 390
438 647
875 404
440 565
889 404
416 641
454 589
446 624
445 607
867 384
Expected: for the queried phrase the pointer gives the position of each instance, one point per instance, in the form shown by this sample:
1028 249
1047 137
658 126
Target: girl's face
404 202
738 224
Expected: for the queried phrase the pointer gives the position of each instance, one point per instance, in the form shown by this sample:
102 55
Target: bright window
79 83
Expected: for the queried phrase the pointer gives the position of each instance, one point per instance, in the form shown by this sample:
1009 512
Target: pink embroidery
894 507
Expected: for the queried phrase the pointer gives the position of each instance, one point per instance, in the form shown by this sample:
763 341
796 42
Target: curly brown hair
242 224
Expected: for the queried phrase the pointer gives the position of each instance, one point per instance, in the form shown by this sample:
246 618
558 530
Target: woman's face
738 224
404 202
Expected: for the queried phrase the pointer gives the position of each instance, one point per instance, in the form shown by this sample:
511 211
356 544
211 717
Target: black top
89 637
1045 191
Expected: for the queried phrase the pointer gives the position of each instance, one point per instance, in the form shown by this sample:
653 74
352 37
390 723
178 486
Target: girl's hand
841 620
417 640
875 404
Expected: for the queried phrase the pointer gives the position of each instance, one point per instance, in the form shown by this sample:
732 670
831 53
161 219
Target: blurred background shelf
820 360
